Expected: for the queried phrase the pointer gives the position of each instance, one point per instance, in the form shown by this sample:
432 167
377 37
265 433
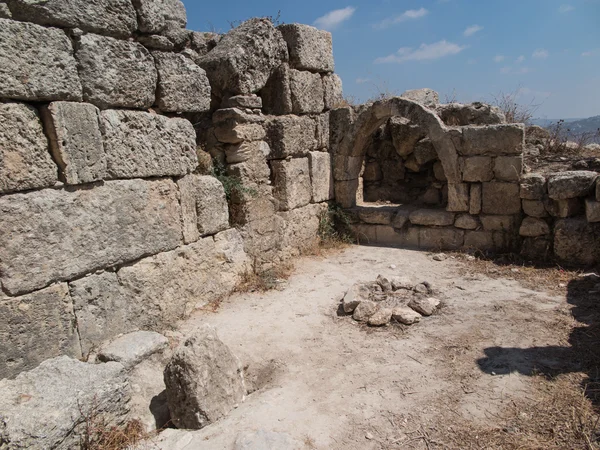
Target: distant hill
576 127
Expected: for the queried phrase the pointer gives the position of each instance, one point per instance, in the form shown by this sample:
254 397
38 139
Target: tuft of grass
265 280
334 227
233 185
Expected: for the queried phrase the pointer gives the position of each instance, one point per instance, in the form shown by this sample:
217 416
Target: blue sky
545 50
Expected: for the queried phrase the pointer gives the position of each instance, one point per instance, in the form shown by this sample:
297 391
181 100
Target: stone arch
350 152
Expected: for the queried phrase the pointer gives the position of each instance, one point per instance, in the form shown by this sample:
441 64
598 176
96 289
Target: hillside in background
575 127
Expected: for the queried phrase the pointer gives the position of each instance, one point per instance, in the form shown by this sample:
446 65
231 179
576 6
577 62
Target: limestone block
563 208
532 227
475 200
248 162
309 48
158 42
98 227
493 140
572 184
244 101
277 93
322 123
182 85
405 135
239 115
262 240
466 222
458 197
356 294
291 183
203 206
592 210
438 172
231 132
534 208
36 327
132 348
154 16
44 408
340 123
426 97
254 204
424 151
406 315
377 215
115 73
321 178
300 229
508 168
539 248
432 217
244 58
36 63
76 141
365 310
498 223
500 198
291 136
372 172
111 17
204 380
307 92
477 168
479 240
424 306
457 114
533 186
141 144
345 192
576 241
441 238
332 85
25 161
401 218
203 42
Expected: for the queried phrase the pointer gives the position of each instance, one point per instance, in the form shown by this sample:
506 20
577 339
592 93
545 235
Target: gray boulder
457 114
533 186
426 97
424 306
204 380
576 241
132 348
155 16
572 184
307 92
309 48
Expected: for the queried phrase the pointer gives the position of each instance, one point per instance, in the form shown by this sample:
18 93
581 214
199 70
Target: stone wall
112 117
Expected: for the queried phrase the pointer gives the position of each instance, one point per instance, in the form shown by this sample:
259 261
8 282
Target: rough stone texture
533 186
36 327
248 161
291 183
356 294
75 141
424 151
479 240
290 136
477 168
300 229
25 161
96 228
458 197
431 217
307 92
203 206
323 131
4 11
320 176
424 306
498 223
112 17
45 408
475 200
36 63
141 144
440 238
244 58
244 101
573 184
539 248
277 93
508 168
115 73
457 114
231 132
438 171
365 310
466 222
576 241
381 317
563 208
155 16
532 227
534 208
493 140
132 348
182 85
204 380
592 210
501 198
309 48
405 135
332 85
426 97
405 315
377 215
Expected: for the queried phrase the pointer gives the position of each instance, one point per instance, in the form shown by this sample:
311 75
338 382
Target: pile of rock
395 299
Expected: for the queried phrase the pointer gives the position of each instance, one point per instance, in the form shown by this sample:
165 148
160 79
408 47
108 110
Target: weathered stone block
345 192
116 73
424 151
321 178
598 190
231 132
458 197
479 240
36 63
277 93
466 222
300 229
248 162
576 241
132 348
332 85
438 171
25 161
405 135
112 17
252 101
376 215
537 249
432 217
477 168
401 218
182 85
475 200
532 227
98 227
563 208
508 168
291 183
307 92
4 11
441 238
346 167
322 123
309 48
76 141
592 210
493 140
35 327
140 144
534 208
501 198
572 184
498 223
291 136
203 206
533 186
155 16
477 113
426 97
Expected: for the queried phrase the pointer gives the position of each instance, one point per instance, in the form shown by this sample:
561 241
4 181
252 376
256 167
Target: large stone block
475 200
426 97
458 197
203 206
321 178
477 168
25 161
405 135
345 192
457 114
277 93
432 217
533 186
572 184
301 229
248 162
332 85
309 48
424 152
35 327
532 227
501 198
479 240
291 136
244 58
498 223
4 11
141 144
291 183
116 73
592 210
563 208
95 228
441 238
577 242
534 208
155 16
36 63
493 140
323 130
76 141
232 132
112 17
508 168
307 92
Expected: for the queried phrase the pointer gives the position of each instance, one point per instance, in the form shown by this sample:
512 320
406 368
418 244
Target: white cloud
540 53
411 14
333 19
566 8
498 58
520 59
424 53
591 53
470 31
362 80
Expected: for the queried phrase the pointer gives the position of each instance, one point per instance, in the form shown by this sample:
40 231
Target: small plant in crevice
233 185
335 227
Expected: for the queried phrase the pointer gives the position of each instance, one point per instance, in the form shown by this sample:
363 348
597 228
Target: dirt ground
495 368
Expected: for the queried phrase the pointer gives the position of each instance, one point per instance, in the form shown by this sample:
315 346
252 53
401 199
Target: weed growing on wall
334 227
233 186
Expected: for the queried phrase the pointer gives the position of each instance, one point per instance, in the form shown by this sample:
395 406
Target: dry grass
265 280
98 434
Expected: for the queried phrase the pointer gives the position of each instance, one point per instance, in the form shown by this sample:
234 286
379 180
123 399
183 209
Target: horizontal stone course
291 182
493 140
500 198
571 184
432 217
291 136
